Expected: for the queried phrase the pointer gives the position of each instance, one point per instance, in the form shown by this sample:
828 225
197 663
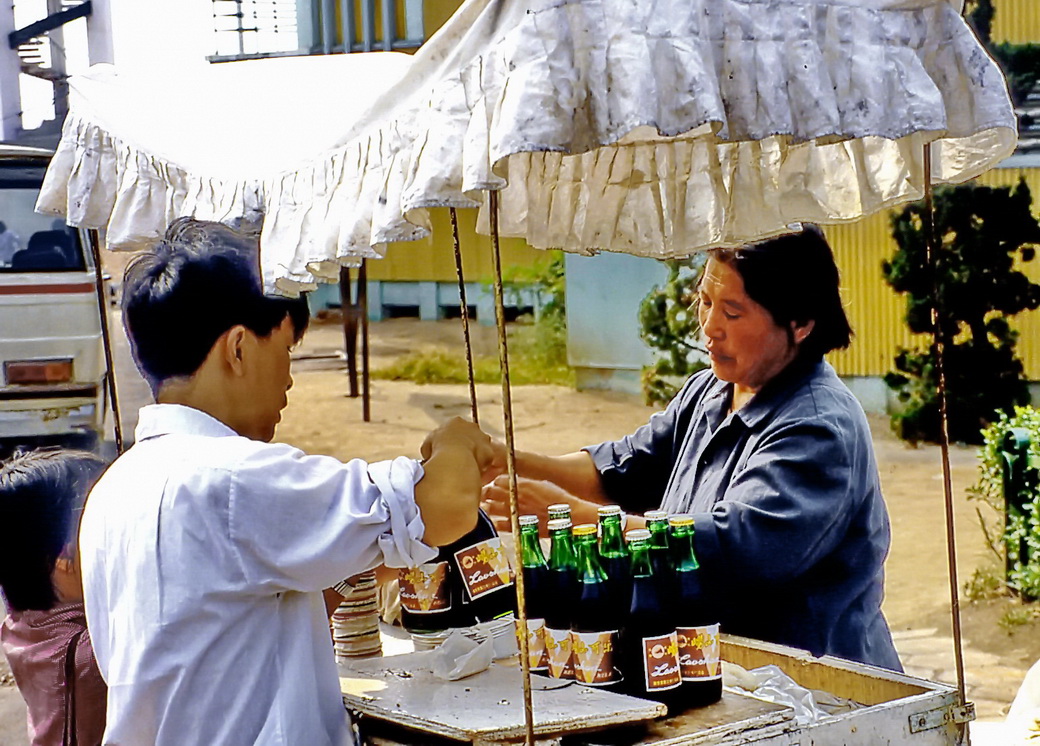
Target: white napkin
459 656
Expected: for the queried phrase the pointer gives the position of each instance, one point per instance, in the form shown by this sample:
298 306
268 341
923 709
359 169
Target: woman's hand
534 498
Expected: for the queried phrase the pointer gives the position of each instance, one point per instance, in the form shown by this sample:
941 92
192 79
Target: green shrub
668 324
1023 526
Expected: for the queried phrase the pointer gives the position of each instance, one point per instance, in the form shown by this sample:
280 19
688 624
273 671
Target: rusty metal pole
464 309
514 508
932 257
106 337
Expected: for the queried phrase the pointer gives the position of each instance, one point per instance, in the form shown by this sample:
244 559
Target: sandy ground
322 418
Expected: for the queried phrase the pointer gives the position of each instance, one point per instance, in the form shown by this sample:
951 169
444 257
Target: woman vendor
768 450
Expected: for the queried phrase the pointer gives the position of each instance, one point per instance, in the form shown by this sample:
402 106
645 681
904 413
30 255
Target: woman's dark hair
794 278
178 298
41 497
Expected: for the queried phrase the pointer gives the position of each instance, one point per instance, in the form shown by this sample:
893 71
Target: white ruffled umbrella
650 128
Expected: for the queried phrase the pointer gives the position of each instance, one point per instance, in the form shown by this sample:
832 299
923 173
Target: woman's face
746 346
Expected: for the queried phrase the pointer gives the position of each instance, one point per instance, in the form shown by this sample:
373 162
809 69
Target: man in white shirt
205 547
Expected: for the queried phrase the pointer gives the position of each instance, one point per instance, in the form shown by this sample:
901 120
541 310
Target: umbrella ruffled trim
645 128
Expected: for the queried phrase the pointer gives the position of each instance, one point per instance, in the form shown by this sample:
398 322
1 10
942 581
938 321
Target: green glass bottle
561 598
649 646
558 510
695 623
613 555
536 578
657 525
595 626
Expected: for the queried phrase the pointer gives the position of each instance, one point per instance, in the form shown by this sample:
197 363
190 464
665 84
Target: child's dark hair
202 279
41 497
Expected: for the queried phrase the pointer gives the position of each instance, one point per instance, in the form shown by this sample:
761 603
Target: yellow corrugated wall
433 259
1016 21
876 311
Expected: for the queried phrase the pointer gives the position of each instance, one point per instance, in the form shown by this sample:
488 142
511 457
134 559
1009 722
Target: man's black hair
201 280
794 278
41 497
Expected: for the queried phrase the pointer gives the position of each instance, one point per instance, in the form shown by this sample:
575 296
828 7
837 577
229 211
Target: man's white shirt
203 556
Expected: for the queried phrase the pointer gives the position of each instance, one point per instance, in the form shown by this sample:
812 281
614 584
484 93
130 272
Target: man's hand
460 433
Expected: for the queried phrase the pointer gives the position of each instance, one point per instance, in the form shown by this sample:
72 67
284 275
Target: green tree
980 15
982 231
668 324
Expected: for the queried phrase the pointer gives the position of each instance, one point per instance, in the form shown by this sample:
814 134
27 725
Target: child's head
181 297
41 496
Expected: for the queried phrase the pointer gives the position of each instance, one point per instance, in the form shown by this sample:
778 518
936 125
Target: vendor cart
655 129
401 702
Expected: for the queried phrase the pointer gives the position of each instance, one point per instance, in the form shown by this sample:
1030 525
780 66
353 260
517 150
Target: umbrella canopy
650 128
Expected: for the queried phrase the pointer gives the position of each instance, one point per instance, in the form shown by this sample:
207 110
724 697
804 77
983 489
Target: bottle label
594 657
558 653
424 589
537 653
661 662
484 567
699 653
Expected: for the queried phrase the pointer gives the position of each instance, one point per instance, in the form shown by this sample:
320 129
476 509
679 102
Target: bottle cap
681 519
656 515
585 529
559 508
557 524
528 520
637 534
607 510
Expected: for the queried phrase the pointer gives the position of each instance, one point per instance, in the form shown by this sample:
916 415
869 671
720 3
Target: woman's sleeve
300 522
784 511
635 470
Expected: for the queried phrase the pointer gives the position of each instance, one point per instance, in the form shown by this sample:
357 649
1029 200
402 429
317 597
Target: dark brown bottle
595 630
483 573
649 646
696 626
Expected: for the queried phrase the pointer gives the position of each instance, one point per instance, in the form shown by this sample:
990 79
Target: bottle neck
561 550
612 543
589 568
530 549
658 534
641 567
683 557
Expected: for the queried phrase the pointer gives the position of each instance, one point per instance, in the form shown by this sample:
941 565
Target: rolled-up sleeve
788 507
300 522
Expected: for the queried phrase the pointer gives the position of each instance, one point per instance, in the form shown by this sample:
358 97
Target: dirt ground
322 418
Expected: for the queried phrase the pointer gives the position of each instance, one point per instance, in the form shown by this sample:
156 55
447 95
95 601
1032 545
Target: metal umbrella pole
106 337
464 309
938 340
514 507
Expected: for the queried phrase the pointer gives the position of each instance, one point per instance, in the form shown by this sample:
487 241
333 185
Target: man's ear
802 331
234 344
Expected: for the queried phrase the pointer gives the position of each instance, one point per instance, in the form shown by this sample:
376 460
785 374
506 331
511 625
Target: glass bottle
613 555
536 591
560 599
595 626
486 578
657 525
649 646
695 623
